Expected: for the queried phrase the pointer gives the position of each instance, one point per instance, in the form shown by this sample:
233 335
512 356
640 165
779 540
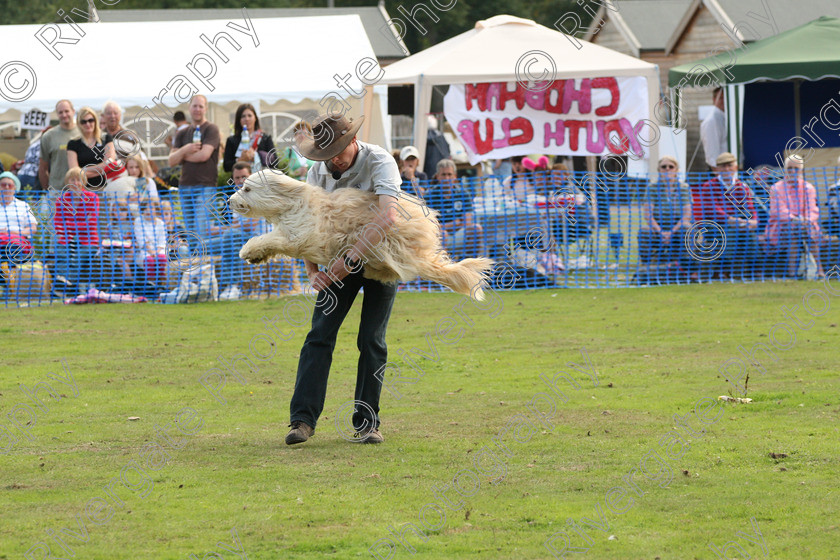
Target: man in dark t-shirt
199 163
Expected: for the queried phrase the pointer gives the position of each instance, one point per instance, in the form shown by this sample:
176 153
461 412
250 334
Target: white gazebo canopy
277 59
491 52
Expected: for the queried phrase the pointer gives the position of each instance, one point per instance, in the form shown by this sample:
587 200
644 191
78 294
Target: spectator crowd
88 202
767 224
87 195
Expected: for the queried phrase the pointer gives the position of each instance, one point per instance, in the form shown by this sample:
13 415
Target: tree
31 12
463 15
426 30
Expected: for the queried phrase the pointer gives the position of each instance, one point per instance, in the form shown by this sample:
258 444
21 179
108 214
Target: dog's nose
236 205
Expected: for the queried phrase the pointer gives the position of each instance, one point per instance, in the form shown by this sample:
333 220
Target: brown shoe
300 432
369 437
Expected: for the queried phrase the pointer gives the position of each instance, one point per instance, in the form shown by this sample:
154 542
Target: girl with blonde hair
145 188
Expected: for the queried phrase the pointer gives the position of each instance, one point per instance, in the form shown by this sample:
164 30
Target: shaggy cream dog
319 226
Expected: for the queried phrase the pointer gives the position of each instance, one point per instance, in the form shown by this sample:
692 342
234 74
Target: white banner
34 120
576 117
671 143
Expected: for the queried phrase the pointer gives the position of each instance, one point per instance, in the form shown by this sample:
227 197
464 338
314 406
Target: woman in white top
17 223
150 240
520 184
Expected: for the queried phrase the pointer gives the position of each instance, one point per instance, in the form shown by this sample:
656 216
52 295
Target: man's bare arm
202 155
44 173
468 219
179 155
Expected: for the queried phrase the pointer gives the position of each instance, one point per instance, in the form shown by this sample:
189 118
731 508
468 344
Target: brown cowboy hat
327 136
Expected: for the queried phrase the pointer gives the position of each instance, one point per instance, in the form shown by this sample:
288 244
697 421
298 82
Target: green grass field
129 489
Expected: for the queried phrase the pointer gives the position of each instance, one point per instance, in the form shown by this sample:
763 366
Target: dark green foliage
461 17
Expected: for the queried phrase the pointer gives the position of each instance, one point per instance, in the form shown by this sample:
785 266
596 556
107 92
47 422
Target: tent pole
653 98
385 119
734 119
423 104
796 107
367 111
738 105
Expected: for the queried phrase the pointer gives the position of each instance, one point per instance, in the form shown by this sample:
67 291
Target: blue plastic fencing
549 229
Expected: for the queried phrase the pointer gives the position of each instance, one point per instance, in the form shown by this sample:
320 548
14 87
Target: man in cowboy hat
342 161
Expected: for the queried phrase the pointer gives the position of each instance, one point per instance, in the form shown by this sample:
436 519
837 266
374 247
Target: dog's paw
254 253
256 260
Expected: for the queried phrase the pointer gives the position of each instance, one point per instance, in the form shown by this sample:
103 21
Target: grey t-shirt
54 151
374 170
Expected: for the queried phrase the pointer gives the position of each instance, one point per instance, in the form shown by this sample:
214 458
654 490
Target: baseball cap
409 151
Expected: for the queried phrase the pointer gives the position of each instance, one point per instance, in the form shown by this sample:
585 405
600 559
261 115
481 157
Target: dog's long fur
320 227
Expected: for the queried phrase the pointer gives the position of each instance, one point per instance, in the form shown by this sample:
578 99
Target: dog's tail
468 277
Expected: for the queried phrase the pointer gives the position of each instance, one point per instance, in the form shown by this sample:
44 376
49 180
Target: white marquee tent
490 53
290 60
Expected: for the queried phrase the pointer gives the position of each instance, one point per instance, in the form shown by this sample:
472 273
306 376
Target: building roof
657 25
810 51
785 13
374 20
752 18
645 24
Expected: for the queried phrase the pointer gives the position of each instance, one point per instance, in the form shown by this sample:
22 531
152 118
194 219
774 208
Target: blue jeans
741 246
195 202
788 248
651 247
75 262
30 180
227 245
465 243
316 355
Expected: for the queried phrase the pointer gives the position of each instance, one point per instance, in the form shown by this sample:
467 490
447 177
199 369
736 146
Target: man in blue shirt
462 237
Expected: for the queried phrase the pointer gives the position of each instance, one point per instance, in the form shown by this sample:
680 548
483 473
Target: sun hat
13 177
329 135
672 159
725 157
